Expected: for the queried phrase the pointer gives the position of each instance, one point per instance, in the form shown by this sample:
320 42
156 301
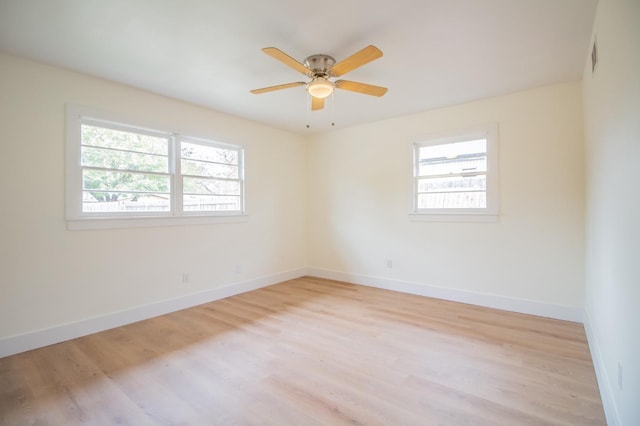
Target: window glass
210 178
452 176
123 171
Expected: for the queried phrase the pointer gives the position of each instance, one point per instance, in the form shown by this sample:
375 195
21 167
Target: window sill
79 224
453 217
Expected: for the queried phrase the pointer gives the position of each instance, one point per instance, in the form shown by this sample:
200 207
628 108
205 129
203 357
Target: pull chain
332 110
308 108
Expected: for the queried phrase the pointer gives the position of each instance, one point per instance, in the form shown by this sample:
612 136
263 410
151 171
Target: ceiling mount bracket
320 65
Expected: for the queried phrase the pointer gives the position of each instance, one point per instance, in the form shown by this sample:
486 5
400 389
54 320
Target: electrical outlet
620 376
238 269
389 263
185 278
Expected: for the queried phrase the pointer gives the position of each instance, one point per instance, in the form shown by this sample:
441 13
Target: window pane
451 150
115 159
110 202
453 184
124 181
121 140
459 157
211 203
456 166
192 151
210 186
452 200
200 168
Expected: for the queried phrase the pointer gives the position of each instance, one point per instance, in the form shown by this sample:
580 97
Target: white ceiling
208 52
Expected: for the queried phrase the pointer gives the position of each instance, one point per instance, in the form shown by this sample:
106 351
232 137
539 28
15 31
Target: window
455 176
118 171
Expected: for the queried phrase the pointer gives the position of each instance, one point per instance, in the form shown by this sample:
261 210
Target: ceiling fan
320 68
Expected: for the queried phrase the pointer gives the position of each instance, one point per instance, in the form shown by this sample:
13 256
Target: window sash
475 183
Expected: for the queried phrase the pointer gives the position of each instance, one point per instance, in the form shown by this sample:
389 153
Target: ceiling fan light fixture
320 88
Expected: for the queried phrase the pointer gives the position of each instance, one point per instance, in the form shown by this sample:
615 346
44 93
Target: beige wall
50 276
360 191
612 123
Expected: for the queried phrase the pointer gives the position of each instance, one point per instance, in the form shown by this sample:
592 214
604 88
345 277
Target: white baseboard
567 313
37 339
33 340
610 409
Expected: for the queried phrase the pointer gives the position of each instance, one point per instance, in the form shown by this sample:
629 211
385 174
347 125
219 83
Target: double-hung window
455 176
119 171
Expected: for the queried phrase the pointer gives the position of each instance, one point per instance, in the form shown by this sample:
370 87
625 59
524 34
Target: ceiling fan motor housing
320 65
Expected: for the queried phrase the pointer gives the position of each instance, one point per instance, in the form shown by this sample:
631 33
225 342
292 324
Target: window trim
77 115
488 214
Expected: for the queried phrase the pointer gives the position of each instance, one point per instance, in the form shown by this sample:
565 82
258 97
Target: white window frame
487 214
77 219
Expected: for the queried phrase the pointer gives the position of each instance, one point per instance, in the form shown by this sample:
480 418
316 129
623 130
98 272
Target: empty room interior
300 213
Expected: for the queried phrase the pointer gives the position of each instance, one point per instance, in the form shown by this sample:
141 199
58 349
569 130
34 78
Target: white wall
50 276
612 123
360 191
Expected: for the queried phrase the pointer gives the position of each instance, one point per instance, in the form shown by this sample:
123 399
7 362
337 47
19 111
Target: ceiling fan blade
367 89
278 87
358 59
317 103
286 59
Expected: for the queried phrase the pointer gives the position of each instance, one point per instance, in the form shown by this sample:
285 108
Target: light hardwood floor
312 351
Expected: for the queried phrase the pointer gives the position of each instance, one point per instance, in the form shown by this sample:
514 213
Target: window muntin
116 170
456 174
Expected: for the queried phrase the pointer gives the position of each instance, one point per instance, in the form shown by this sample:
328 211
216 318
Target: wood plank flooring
312 352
